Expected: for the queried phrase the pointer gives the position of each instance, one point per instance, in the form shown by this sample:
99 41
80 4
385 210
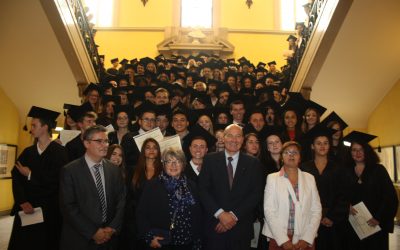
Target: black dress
331 185
376 190
42 190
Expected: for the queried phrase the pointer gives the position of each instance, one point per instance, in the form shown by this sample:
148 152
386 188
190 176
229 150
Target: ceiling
363 63
361 67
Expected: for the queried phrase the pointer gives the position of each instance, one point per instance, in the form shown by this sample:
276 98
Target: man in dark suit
92 197
230 186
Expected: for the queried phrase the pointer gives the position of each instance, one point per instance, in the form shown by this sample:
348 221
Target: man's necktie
230 171
100 191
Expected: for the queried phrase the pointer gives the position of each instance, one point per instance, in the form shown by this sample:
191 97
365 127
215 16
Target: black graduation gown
376 190
42 190
331 188
75 148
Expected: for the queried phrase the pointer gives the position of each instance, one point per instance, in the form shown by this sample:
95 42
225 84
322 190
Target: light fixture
59 128
347 144
144 2
249 3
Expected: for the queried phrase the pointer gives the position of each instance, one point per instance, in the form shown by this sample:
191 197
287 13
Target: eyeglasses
291 153
169 162
149 119
101 141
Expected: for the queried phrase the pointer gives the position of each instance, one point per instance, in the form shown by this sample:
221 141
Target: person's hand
372 222
27 208
109 231
101 236
220 228
353 211
301 245
25 171
227 219
326 222
288 245
154 243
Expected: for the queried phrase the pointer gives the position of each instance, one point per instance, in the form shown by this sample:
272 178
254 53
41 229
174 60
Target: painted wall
234 15
9 130
385 120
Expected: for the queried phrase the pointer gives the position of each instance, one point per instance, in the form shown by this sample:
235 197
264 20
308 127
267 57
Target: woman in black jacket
169 212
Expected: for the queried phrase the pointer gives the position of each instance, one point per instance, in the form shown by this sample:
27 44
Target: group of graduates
199 98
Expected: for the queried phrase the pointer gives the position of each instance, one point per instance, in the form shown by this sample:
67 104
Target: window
196 13
101 12
292 11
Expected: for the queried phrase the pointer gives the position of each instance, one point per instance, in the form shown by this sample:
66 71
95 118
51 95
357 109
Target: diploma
110 128
154 133
68 135
170 142
359 221
30 219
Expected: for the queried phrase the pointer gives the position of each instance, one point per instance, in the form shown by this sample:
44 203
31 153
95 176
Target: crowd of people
250 152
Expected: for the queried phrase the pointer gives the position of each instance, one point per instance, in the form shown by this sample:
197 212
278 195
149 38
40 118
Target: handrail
87 33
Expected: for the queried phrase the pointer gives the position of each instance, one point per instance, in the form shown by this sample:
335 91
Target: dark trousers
226 241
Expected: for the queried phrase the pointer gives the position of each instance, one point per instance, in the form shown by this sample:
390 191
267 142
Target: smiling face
274 144
233 139
97 145
116 157
173 167
198 148
252 145
290 119
311 117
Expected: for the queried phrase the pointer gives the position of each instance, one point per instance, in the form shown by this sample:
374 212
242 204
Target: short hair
289 144
88 134
161 90
199 138
89 114
174 153
237 102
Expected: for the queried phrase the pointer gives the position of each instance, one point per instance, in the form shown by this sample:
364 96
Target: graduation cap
74 111
133 61
146 106
164 109
114 60
160 58
124 108
334 117
90 87
47 115
320 130
359 137
123 61
317 107
272 104
231 61
291 37
198 131
242 60
111 98
271 130
203 54
261 65
272 63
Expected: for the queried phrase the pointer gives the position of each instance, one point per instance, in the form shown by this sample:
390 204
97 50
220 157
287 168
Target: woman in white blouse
291 204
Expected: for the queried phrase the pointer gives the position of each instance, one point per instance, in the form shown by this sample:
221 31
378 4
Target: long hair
110 151
246 138
140 169
371 158
298 132
304 126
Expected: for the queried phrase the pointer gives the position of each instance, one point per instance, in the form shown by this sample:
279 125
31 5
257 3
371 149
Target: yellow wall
235 14
385 120
230 14
156 13
9 130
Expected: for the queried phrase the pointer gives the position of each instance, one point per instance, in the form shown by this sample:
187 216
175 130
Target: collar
235 156
90 162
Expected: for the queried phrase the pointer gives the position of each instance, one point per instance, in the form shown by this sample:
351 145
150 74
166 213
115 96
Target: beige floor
6 225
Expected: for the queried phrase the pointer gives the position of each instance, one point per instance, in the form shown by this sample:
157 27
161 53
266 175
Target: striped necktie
230 171
100 191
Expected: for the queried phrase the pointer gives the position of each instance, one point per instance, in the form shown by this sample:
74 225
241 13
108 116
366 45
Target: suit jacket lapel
107 183
223 171
87 175
240 169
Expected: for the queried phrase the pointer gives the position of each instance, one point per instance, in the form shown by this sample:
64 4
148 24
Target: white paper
256 229
30 219
170 142
68 135
359 221
110 128
154 133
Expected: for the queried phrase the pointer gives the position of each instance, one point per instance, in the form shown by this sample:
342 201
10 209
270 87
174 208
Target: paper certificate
110 128
171 142
68 135
359 221
30 219
154 133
